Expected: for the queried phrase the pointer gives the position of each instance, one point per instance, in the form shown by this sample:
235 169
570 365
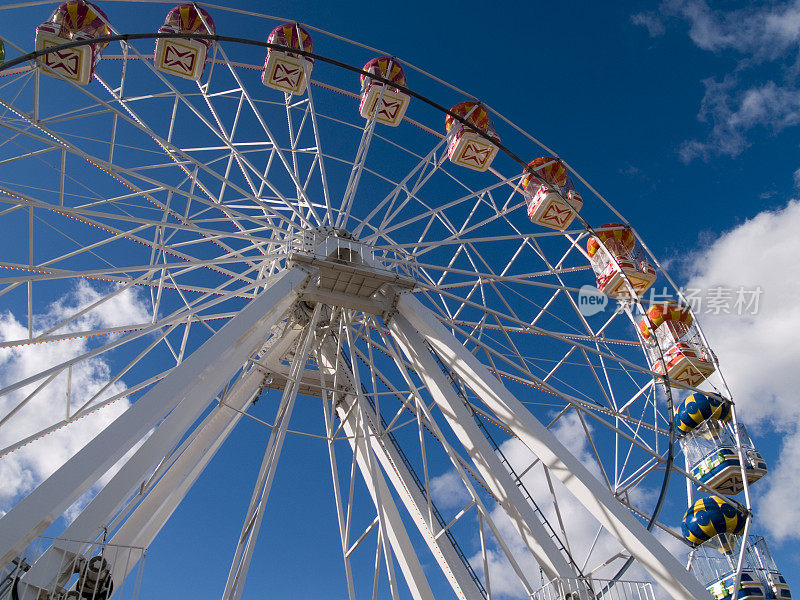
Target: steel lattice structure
287 249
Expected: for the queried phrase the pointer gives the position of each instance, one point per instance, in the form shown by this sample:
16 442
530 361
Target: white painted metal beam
497 477
593 494
190 386
149 517
357 434
403 483
258 502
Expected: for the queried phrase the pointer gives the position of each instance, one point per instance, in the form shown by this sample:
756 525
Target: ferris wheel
207 234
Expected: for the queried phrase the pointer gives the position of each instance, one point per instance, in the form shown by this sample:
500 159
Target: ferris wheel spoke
522 279
430 211
76 416
478 239
628 435
294 138
262 122
524 368
608 400
590 438
355 174
94 402
87 333
298 153
558 336
20 78
512 346
118 234
423 176
41 273
320 156
245 165
228 138
81 154
478 285
592 410
623 487
517 329
232 215
178 156
196 306
663 527
648 387
78 212
417 170
457 238
26 155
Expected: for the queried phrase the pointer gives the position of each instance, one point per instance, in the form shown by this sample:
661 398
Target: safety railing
594 589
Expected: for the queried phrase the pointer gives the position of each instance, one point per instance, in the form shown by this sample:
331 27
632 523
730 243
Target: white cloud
448 491
653 23
759 353
23 469
742 101
765 32
733 112
580 526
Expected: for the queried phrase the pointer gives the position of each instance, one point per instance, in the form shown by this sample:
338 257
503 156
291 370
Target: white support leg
361 440
255 513
598 500
403 483
182 395
392 524
422 410
149 517
337 493
461 420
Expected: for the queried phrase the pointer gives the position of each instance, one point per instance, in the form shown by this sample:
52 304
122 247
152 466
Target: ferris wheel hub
309 239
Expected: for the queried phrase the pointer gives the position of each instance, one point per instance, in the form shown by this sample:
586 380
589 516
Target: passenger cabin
620 266
284 70
710 446
385 103
552 200
184 57
72 20
467 147
759 580
716 519
713 457
677 347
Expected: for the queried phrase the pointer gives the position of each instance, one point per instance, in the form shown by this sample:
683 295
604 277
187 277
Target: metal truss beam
403 483
174 404
593 494
461 420
362 440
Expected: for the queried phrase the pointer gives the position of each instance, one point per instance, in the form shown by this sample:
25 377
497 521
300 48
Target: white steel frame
436 290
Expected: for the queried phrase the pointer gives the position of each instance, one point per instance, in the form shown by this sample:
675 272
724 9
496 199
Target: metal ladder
457 386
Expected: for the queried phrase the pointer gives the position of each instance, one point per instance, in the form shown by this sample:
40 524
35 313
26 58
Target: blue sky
683 114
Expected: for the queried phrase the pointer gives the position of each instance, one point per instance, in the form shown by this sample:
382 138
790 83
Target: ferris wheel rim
149 35
222 38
